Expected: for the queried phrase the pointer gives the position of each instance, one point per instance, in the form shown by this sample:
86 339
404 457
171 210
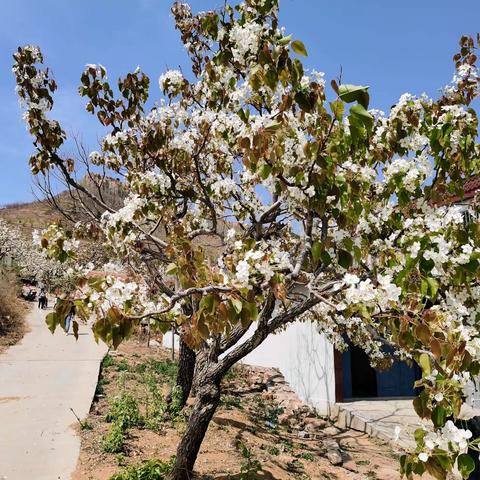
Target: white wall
303 356
305 359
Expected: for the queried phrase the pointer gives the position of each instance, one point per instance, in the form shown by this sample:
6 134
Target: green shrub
114 441
150 470
124 412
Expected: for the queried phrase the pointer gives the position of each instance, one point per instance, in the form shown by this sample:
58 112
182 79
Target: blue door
397 381
360 380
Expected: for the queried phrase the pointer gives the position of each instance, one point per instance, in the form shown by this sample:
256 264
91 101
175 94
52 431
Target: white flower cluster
114 140
132 205
364 292
171 81
259 265
412 172
245 39
447 438
155 181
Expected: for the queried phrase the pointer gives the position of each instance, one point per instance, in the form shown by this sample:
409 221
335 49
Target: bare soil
244 441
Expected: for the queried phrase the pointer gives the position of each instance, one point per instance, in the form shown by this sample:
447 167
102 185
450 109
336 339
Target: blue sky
394 47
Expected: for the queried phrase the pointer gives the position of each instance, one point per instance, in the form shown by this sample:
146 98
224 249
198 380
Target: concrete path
380 418
41 378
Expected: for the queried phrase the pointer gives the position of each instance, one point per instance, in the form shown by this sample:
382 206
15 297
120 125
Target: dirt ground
244 441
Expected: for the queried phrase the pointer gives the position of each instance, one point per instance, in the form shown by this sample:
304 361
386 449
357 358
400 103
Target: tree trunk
207 400
186 369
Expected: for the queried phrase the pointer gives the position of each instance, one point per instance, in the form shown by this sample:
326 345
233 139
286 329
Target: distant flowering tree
28 259
265 203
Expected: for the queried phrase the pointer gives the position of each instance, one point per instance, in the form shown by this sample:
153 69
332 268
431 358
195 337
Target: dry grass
12 311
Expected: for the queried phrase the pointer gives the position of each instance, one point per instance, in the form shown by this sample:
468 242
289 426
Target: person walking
42 299
69 318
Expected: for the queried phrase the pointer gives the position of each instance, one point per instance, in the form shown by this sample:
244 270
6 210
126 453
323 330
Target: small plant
86 425
286 445
295 466
175 406
268 411
124 412
310 457
114 441
362 462
230 402
271 416
274 451
150 470
231 375
100 390
122 366
250 465
107 361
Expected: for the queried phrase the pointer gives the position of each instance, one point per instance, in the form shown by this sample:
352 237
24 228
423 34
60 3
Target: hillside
38 214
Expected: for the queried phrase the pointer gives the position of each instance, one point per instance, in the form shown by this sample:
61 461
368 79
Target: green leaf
208 304
265 171
285 40
433 284
424 362
326 259
273 126
338 107
171 269
359 112
354 93
249 314
237 304
345 259
316 251
465 464
439 416
304 101
299 48
52 320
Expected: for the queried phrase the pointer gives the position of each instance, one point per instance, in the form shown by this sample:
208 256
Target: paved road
41 378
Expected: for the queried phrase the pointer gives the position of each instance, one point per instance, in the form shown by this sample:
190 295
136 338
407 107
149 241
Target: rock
303 434
331 431
334 457
333 452
285 417
314 424
155 344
